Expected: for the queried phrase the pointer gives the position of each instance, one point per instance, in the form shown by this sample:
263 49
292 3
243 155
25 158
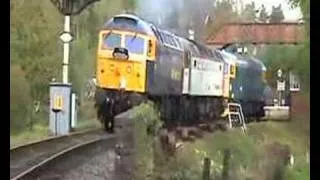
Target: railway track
59 164
26 157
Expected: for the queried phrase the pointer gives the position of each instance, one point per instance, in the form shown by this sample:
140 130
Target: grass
250 159
39 132
249 150
86 120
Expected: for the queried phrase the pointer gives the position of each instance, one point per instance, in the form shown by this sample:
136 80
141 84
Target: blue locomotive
188 80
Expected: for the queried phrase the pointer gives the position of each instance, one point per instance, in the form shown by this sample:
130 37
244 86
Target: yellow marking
58 103
264 76
151 50
110 70
110 78
226 86
233 70
175 74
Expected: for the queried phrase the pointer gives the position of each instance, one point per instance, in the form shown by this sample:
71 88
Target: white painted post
191 34
66 51
73 111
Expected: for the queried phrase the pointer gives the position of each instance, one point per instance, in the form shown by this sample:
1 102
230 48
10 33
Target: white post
66 51
73 111
191 34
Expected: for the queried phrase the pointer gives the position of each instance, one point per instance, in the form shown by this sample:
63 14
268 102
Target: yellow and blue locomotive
138 61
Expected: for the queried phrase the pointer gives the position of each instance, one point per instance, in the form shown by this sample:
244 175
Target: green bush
20 100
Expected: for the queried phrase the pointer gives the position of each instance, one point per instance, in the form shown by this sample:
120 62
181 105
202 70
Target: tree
263 15
276 14
304 54
20 100
249 13
223 12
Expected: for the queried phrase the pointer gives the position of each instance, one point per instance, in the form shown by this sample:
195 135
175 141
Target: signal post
62 101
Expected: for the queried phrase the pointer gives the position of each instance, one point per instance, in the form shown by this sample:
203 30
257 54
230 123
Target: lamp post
68 8
60 93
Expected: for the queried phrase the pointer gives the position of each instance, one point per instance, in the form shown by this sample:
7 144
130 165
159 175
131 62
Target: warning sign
57 103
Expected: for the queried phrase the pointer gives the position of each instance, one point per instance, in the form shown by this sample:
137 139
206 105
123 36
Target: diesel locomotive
137 60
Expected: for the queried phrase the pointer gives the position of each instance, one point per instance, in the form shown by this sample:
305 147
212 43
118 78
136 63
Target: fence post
226 162
206 168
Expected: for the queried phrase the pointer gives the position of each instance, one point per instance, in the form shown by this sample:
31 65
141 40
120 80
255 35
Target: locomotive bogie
109 103
189 110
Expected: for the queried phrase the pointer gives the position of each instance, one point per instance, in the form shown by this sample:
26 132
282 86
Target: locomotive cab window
111 40
135 44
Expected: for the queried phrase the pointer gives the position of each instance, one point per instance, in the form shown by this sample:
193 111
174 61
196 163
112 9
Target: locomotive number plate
120 53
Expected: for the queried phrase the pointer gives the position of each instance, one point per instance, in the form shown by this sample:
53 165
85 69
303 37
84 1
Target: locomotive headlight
123 83
111 67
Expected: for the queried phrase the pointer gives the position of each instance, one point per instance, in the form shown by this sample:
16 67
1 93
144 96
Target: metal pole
66 51
55 122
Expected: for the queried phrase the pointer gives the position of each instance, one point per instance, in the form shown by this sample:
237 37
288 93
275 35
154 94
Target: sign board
66 37
294 82
281 85
57 103
120 53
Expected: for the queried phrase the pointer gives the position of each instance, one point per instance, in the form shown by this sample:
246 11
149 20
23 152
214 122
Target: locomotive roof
231 58
137 24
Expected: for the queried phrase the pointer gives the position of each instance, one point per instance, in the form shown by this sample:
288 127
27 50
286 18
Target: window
111 40
178 43
294 82
135 44
225 68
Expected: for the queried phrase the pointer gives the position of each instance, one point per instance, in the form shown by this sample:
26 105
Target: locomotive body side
165 73
248 85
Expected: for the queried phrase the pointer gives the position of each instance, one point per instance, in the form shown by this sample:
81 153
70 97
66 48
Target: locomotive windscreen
111 40
135 44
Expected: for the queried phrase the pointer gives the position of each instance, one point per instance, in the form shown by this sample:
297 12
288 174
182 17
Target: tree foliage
263 15
20 100
249 13
276 14
222 13
36 52
295 58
